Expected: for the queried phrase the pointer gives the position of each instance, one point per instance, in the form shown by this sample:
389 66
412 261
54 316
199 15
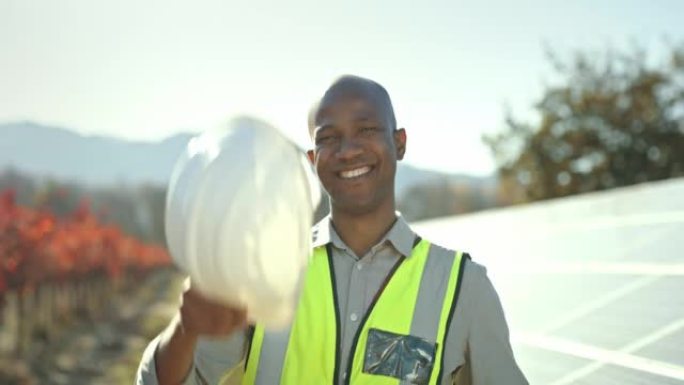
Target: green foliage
615 120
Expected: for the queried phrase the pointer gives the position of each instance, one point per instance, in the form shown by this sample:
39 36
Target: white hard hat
238 219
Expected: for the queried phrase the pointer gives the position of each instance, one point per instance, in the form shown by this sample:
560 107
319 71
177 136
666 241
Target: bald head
349 87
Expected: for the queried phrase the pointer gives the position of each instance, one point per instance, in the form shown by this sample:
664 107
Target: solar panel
592 285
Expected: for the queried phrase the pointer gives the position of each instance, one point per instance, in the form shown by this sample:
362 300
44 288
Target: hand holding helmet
238 216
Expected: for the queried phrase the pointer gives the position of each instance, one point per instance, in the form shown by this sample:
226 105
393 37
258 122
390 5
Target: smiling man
379 305
357 146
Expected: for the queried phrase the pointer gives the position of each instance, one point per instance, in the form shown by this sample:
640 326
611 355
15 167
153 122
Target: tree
614 120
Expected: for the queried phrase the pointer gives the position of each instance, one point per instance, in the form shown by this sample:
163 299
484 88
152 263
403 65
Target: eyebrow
323 127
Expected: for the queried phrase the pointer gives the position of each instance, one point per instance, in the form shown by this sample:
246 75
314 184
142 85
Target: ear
400 142
310 154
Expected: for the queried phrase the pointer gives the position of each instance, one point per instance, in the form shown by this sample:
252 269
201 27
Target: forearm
175 353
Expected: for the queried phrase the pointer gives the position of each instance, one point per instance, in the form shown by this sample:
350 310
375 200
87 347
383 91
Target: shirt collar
400 236
321 232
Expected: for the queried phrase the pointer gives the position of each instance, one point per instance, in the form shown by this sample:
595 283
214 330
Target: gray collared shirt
477 348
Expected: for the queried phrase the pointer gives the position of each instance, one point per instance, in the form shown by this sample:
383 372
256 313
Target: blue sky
148 69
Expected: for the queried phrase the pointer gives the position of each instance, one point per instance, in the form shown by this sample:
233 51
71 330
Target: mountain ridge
60 153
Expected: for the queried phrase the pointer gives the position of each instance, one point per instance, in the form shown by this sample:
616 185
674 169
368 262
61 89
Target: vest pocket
404 357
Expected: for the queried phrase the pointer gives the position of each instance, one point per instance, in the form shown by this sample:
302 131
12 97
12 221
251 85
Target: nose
348 150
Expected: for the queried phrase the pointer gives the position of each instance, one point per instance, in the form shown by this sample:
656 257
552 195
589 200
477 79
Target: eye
326 139
368 130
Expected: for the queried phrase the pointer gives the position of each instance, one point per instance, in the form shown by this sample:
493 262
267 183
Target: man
378 305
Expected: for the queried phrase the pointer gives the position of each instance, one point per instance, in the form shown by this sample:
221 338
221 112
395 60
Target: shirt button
359 266
353 317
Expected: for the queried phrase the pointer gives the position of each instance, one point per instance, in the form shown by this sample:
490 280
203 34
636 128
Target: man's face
356 151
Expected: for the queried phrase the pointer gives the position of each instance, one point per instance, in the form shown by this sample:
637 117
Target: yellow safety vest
313 347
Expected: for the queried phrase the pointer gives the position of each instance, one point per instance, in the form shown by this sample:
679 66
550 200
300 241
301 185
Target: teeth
354 173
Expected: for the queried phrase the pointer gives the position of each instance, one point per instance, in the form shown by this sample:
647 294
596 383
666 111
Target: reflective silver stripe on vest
432 292
272 357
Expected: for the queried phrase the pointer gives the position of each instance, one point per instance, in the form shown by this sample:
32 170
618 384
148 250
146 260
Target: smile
355 173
